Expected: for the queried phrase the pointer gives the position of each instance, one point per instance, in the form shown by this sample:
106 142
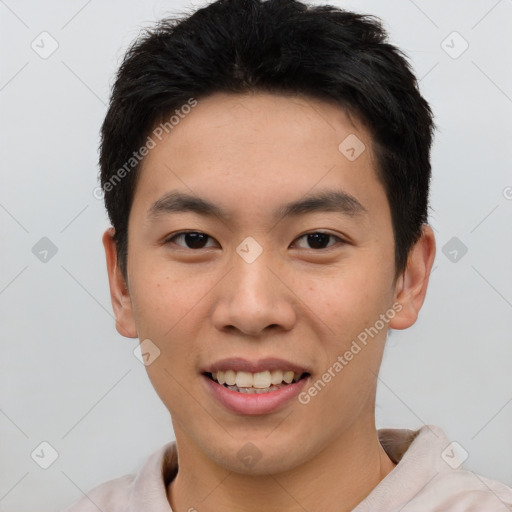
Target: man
266 170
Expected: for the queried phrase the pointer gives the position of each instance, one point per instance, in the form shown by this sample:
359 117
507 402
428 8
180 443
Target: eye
193 239
197 240
318 240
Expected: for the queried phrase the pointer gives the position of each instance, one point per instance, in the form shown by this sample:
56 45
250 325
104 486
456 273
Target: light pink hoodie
428 478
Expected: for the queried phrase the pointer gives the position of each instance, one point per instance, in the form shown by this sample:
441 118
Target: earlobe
411 286
119 294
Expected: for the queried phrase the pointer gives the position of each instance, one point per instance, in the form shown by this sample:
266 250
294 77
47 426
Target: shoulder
449 486
146 487
429 476
110 496
464 490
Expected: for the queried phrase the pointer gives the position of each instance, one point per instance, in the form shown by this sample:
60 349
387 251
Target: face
265 284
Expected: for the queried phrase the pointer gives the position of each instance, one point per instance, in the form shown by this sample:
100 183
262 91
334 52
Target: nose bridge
253 276
252 296
252 285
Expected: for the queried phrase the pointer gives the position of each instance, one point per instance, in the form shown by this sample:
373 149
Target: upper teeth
258 380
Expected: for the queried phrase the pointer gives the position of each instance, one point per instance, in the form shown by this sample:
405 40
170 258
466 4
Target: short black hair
275 46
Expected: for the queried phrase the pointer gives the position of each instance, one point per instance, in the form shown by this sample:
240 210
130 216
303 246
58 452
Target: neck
336 479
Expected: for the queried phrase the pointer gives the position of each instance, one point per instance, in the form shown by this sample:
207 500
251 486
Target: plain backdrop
68 380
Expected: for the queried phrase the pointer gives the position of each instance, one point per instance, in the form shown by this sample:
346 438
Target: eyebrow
323 201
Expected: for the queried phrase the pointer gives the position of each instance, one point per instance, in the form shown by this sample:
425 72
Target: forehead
261 146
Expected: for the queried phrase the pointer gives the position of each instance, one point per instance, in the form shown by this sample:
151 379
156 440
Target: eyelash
181 233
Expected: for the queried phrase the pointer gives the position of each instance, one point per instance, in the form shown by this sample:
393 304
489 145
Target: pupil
194 241
315 240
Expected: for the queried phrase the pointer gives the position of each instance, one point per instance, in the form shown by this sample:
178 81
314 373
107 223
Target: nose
254 298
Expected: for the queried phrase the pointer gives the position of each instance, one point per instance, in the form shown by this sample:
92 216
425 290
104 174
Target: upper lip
239 364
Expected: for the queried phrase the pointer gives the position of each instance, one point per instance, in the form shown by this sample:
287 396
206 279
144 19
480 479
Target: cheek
163 311
169 311
347 299
150 300
160 300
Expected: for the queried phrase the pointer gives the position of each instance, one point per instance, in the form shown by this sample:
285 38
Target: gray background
67 377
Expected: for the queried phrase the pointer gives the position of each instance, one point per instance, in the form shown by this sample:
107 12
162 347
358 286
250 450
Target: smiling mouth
256 383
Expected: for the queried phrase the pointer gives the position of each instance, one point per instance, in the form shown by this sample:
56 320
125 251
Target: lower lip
254 403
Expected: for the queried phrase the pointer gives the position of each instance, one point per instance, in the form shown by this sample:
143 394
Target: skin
249 154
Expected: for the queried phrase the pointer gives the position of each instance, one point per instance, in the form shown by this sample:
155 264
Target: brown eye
192 239
319 240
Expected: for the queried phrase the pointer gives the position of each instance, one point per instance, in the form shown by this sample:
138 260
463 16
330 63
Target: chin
260 456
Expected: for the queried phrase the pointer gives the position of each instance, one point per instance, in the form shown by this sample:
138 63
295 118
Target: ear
119 294
411 286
